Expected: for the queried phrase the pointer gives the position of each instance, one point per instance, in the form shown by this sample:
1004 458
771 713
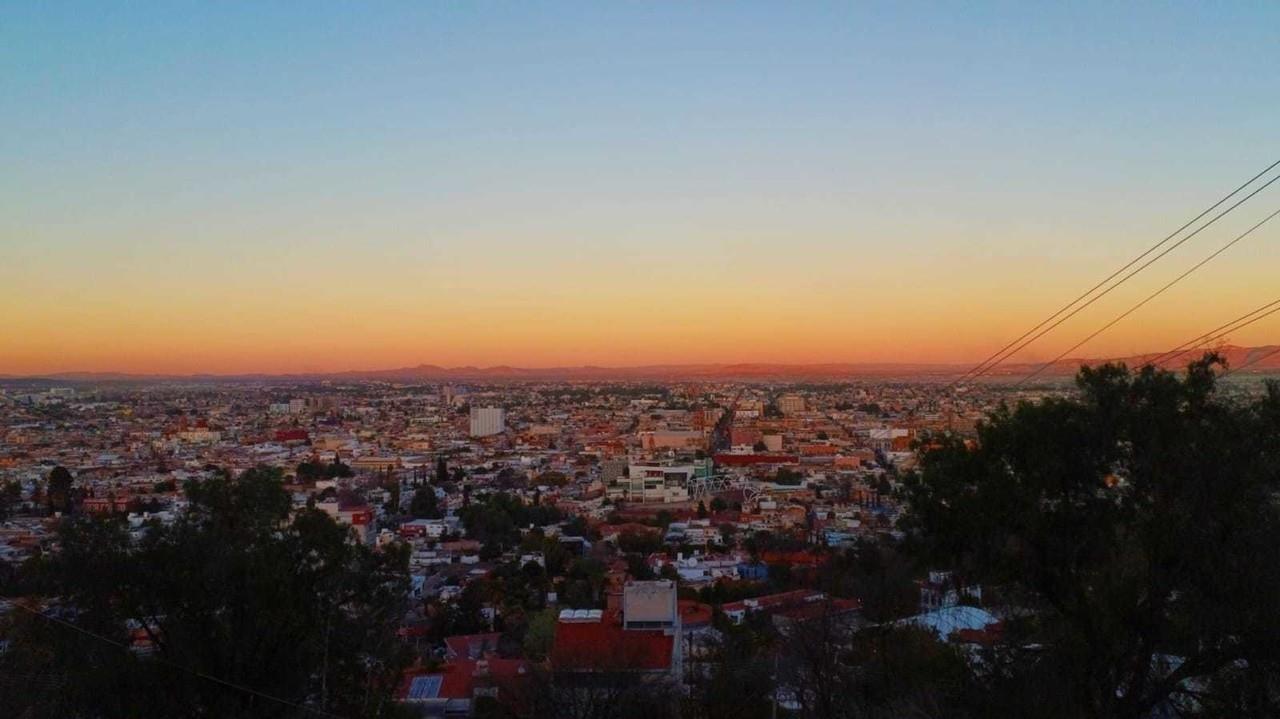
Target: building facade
488 421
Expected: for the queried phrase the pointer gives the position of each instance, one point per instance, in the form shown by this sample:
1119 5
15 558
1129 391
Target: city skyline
323 188
676 360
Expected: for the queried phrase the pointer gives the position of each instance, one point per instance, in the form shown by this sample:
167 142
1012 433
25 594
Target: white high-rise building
791 403
488 421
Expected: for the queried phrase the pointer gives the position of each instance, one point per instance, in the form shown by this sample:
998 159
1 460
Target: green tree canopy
238 588
1134 535
425 504
59 493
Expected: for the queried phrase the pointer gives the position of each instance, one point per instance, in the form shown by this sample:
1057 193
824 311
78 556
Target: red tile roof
694 614
605 646
737 460
632 527
472 646
796 604
802 557
459 677
816 610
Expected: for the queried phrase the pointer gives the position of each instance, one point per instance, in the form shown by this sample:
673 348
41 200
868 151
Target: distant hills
1236 356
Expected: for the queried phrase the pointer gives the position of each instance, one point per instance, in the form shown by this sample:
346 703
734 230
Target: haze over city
224 188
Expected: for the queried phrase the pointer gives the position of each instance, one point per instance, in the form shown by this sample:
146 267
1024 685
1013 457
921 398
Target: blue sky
414 151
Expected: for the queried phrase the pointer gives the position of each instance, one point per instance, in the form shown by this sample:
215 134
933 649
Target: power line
1214 334
1151 296
176 665
1127 277
1209 336
995 359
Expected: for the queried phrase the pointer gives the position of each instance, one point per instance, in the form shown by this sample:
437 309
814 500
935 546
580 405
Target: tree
583 584
442 470
340 470
604 693
788 477
577 526
733 677
663 518
237 588
834 670
392 485
1135 532
59 492
881 577
311 471
539 635
552 479
498 518
425 504
642 543
10 495
702 509
728 532
465 616
138 505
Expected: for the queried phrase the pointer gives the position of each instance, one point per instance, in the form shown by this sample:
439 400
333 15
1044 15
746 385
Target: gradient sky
233 187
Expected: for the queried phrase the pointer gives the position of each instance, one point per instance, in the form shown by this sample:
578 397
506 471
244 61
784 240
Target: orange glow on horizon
263 336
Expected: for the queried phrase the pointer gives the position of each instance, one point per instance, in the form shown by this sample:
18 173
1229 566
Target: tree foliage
237 588
425 504
10 496
59 494
311 471
1134 535
499 517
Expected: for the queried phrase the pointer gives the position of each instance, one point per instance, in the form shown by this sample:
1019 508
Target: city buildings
645 481
488 421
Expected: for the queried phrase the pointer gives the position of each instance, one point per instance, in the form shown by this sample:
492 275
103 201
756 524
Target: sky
285 187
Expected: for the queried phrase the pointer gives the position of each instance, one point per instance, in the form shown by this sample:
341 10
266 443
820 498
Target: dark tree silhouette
237 588
1134 537
425 504
59 493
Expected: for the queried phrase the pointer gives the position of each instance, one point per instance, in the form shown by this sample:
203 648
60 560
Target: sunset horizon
639 185
797 368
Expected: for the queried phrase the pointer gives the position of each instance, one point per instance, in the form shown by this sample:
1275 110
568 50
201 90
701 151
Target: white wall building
488 421
791 403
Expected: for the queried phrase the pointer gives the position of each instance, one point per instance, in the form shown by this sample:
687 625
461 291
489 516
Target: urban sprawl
567 530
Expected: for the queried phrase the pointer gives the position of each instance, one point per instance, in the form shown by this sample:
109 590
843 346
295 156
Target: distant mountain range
1236 357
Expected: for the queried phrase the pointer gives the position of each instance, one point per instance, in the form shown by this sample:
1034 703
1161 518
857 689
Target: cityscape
607 361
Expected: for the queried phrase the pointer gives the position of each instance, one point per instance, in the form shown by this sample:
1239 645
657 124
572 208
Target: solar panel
425 687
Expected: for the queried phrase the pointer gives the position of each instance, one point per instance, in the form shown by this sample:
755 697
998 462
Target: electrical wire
997 358
1149 297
